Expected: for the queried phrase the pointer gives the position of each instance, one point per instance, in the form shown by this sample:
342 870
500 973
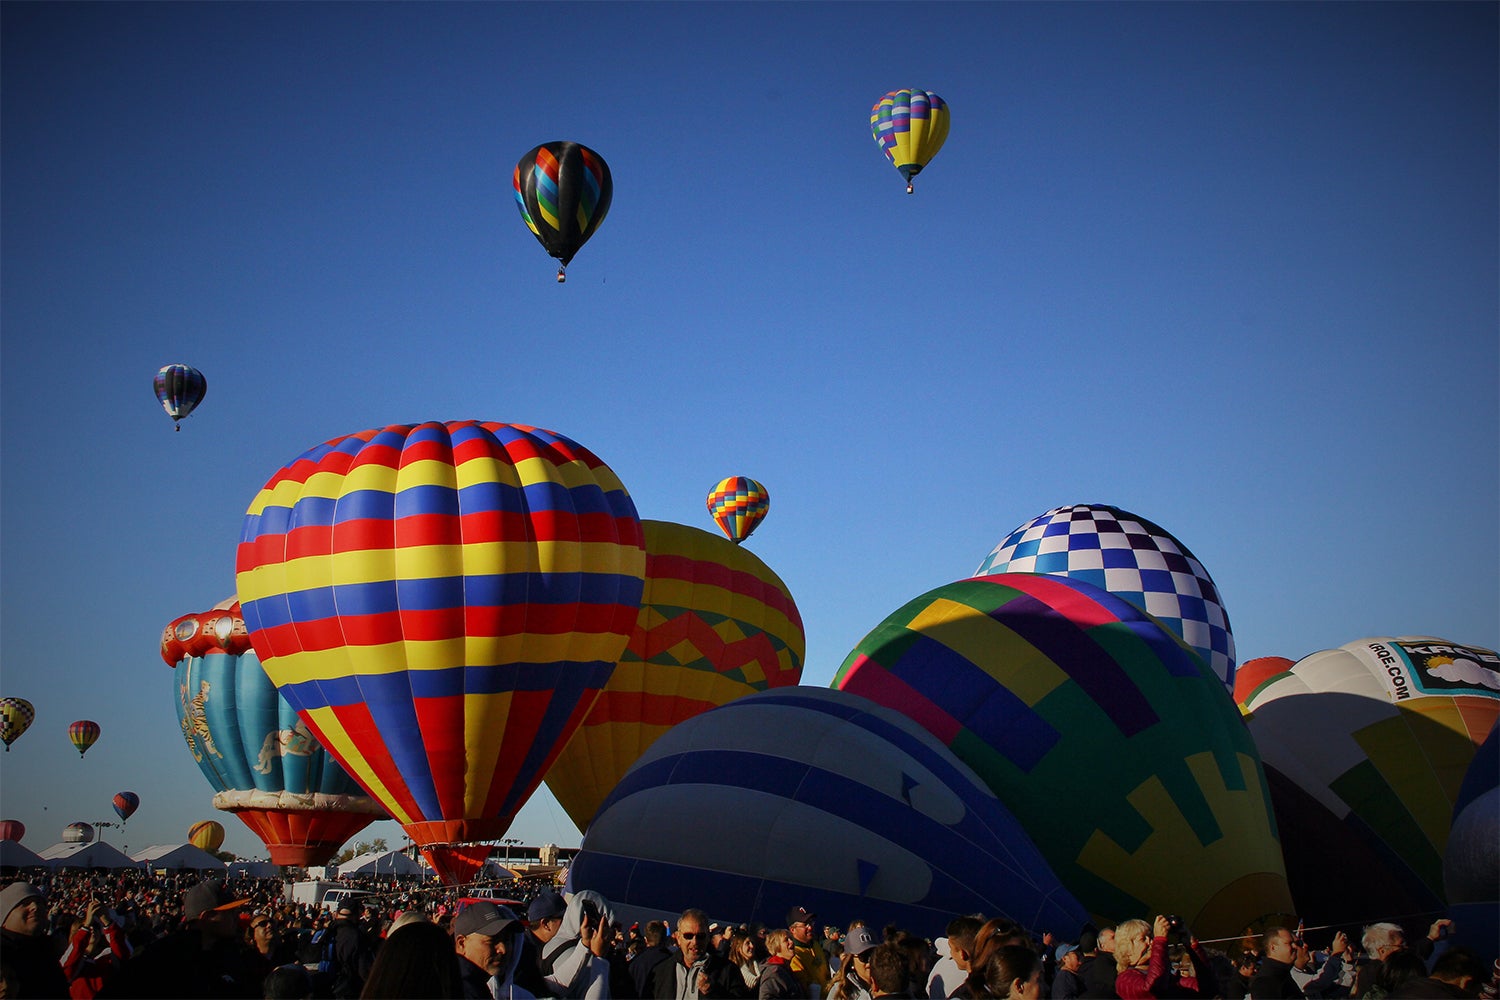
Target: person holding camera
96 948
1143 969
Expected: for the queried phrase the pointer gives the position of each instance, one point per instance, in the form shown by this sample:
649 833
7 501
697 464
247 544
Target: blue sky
1232 267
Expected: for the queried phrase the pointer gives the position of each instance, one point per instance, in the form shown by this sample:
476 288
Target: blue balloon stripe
456 680
438 593
388 698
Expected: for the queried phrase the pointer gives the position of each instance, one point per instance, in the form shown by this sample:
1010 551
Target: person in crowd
288 982
809 964
890 971
1458 972
777 980
268 948
716 940
1010 972
696 970
1144 972
653 952
1098 970
1066 984
544 914
351 952
852 980
918 955
952 969
419 959
572 960
96 948
833 945
206 958
1273 978
1397 970
1379 941
746 953
486 939
24 946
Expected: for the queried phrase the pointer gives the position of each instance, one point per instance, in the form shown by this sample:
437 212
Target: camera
1176 931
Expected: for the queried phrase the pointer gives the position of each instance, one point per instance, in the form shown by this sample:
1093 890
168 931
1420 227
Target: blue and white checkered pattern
1131 558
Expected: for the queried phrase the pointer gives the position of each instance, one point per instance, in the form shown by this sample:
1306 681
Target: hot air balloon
1132 558
762 785
1040 683
16 715
12 829
207 834
179 388
84 734
1471 861
738 505
1366 747
263 762
715 624
441 604
1252 674
126 803
910 127
78 833
563 190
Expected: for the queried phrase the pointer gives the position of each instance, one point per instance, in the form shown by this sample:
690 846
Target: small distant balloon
180 388
126 803
910 127
78 833
207 834
738 505
84 734
563 190
16 715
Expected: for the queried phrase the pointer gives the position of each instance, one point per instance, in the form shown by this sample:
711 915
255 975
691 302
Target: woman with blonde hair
1145 972
777 981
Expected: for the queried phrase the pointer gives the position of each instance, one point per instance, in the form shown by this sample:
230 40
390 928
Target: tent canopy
14 855
179 856
380 863
95 855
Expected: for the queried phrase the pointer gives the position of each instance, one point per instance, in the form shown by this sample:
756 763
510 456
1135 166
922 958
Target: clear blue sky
1232 267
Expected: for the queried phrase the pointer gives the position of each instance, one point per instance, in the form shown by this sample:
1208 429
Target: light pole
508 841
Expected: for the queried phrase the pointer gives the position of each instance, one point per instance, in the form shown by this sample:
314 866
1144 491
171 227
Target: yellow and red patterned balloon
715 624
738 505
206 834
442 603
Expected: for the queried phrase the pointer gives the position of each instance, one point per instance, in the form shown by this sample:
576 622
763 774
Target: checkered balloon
16 715
1131 558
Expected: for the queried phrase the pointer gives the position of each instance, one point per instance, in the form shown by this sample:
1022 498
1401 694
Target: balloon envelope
738 505
816 798
263 762
1367 746
12 829
563 190
16 715
909 126
83 734
715 624
78 833
442 604
179 388
126 803
1132 558
1041 683
1252 674
206 834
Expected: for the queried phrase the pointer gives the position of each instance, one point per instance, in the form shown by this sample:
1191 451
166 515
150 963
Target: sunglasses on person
260 924
693 936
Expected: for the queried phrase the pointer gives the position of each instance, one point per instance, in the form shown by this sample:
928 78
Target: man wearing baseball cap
1067 985
206 958
485 937
809 964
24 942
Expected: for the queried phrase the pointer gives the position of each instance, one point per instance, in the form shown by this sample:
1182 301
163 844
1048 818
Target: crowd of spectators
135 934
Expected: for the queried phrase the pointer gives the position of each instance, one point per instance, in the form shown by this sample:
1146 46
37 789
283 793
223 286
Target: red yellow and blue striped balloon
563 190
1046 684
83 734
910 127
126 803
738 505
442 603
715 624
207 835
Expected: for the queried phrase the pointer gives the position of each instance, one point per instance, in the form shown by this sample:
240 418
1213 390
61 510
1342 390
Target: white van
335 898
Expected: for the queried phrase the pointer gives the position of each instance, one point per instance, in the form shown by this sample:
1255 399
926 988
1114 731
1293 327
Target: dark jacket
1273 980
529 972
38 972
664 978
476 981
1066 985
1098 975
643 965
353 955
178 966
778 982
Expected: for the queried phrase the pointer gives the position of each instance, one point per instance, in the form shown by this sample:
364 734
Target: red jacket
85 973
1160 981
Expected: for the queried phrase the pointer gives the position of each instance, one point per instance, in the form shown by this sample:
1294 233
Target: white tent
255 869
179 856
380 863
95 855
13 855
